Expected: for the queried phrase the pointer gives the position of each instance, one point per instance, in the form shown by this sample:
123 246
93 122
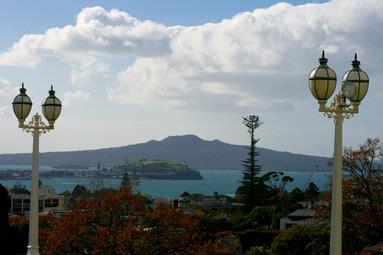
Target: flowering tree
120 222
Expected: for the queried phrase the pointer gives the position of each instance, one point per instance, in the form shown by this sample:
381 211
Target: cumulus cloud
6 89
77 95
257 59
85 71
7 92
96 31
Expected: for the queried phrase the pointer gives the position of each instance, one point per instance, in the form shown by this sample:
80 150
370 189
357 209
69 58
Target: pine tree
126 181
250 182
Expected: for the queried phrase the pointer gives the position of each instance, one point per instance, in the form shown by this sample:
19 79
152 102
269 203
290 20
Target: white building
48 201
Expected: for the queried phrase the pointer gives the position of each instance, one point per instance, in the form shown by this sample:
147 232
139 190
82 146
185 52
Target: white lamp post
322 83
51 108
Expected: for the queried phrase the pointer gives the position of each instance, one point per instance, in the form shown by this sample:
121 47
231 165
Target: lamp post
322 83
51 108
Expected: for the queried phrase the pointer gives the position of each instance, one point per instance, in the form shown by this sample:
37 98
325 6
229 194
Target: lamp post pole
322 83
36 127
338 111
336 203
22 105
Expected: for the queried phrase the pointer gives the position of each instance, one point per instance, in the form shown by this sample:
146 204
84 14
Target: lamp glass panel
312 88
321 88
26 110
312 74
363 76
331 88
321 73
331 74
363 88
351 75
17 109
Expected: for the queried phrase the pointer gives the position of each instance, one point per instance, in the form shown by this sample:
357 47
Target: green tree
251 183
363 195
126 181
302 240
312 192
18 188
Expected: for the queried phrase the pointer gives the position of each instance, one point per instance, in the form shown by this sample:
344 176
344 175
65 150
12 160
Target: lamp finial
355 63
22 89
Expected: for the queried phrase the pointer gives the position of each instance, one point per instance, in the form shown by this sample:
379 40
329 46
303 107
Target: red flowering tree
120 222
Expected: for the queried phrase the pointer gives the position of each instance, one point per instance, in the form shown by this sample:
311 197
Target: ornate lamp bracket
339 106
36 126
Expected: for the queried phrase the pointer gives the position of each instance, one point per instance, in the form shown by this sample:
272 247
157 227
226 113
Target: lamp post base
33 250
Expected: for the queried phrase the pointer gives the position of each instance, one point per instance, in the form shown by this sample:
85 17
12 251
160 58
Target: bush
302 240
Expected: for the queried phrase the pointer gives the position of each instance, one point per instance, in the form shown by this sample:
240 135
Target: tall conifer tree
250 181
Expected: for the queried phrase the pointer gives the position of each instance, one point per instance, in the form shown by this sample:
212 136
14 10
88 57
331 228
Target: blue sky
132 71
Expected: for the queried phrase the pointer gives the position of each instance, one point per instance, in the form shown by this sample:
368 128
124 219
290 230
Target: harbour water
221 181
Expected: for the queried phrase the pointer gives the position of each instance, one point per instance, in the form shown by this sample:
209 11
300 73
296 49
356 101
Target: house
48 201
304 216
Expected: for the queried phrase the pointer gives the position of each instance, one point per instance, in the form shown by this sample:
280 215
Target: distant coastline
143 169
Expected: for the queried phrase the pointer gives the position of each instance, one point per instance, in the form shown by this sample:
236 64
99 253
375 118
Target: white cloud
96 31
7 92
259 60
6 89
78 95
256 59
87 70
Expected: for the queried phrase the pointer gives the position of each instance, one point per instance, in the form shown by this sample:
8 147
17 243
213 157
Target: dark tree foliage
18 188
363 195
126 181
312 192
249 192
303 240
4 225
12 238
79 191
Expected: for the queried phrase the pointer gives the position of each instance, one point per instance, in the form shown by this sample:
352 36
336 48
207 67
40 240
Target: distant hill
187 149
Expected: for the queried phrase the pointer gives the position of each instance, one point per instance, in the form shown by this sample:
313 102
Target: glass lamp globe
360 80
322 81
51 107
22 105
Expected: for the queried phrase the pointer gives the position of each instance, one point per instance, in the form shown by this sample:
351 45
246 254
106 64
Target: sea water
221 181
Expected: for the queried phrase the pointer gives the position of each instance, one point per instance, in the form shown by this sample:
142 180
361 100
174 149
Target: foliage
252 186
302 240
297 195
363 195
277 181
79 191
261 216
18 188
145 165
126 181
258 250
312 192
121 222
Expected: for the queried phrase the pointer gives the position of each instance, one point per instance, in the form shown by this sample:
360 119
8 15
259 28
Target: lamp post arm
36 124
339 106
